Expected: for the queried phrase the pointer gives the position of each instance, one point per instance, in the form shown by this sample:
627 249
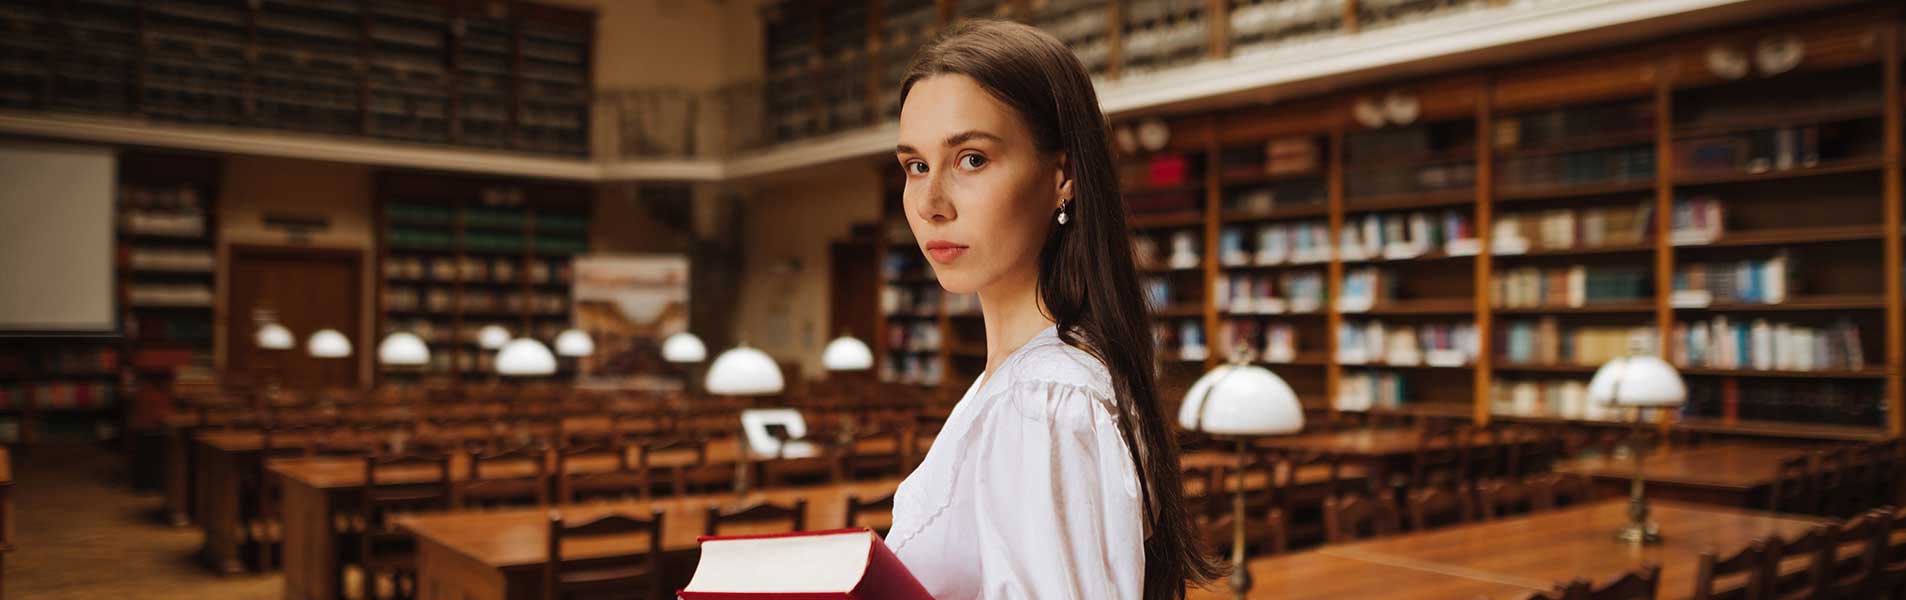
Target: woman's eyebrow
953 140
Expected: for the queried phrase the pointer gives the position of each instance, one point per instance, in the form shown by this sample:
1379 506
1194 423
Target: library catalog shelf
1792 235
1820 374
1843 167
1564 191
1802 303
1410 200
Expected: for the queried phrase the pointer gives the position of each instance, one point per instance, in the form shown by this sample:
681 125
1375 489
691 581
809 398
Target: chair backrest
856 506
758 513
1786 558
1497 498
1550 491
1483 453
506 477
689 447
1348 518
634 570
1639 584
1851 556
1439 506
1833 477
1793 487
1436 458
1201 489
1751 564
572 483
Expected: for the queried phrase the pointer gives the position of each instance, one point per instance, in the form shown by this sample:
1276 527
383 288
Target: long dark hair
1086 275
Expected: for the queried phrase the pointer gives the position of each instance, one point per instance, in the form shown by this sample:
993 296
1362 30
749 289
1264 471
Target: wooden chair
683 454
1270 534
1833 480
1497 498
264 525
1751 565
1201 490
856 507
1892 559
382 548
633 574
1438 506
1349 518
622 480
1550 491
758 513
1303 504
1793 487
1640 584
524 479
856 464
1484 455
1795 568
1437 458
1849 562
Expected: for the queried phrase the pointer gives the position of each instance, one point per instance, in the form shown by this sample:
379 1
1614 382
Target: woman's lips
944 252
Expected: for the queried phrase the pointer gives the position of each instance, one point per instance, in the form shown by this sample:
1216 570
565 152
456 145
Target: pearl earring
1062 212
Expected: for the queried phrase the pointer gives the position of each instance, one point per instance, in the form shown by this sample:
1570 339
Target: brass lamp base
1640 533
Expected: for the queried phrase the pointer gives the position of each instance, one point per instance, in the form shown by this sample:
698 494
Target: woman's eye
915 168
972 161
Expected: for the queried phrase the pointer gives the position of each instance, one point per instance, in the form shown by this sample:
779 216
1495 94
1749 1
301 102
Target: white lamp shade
684 347
1637 381
275 337
1241 400
492 337
328 343
744 371
524 357
762 443
847 353
403 349
574 342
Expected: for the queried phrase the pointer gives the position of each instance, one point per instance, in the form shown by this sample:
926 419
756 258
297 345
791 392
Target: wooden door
304 289
853 290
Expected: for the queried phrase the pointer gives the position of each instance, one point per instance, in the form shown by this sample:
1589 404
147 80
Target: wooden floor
81 533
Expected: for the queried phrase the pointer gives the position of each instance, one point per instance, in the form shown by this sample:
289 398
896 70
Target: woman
1055 476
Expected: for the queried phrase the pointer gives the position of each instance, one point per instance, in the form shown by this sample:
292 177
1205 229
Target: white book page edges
798 564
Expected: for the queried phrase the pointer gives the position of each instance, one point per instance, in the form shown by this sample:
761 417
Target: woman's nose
934 205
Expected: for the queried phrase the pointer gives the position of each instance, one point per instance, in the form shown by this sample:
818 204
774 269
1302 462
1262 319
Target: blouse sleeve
1058 504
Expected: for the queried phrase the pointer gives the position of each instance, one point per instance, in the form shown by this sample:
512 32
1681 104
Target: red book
842 564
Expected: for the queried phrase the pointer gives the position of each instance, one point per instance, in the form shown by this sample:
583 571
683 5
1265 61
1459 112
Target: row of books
1589 167
501 269
904 260
407 298
1571 228
1271 341
962 304
1764 150
180 199
78 359
1161 293
1371 390
1297 292
1282 195
1561 398
1833 402
170 259
1365 288
1738 282
1760 344
169 294
914 369
919 300
1401 236
1397 181
1546 341
170 224
917 336
1570 286
1279 156
1180 340
1435 344
58 396
1551 127
1696 220
1304 242
1185 253
168 326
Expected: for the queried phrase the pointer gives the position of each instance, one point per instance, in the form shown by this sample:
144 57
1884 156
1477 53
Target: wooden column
1895 314
1485 196
1333 284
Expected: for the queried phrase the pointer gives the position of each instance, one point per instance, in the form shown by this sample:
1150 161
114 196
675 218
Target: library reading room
723 299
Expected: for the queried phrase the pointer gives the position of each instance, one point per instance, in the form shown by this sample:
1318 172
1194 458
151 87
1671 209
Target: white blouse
1029 491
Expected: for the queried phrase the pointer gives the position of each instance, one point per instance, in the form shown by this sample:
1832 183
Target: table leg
178 478
219 510
310 546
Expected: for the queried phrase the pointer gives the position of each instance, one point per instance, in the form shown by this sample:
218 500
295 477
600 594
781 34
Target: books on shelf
1572 286
961 304
1570 229
1762 150
1833 402
1587 167
1697 220
1273 342
914 336
914 369
1763 345
1181 340
1393 236
164 259
1305 242
1297 292
1365 288
1184 251
1766 281
910 300
169 295
1562 125
1369 390
1561 398
1546 341
1434 344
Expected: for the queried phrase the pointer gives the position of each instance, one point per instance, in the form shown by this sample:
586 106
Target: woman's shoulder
1053 380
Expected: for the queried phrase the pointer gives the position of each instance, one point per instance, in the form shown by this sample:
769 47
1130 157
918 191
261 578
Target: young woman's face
979 194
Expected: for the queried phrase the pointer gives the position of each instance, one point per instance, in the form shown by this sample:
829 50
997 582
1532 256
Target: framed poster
628 303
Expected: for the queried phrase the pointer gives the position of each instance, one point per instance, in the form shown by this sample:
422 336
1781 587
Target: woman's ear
1062 182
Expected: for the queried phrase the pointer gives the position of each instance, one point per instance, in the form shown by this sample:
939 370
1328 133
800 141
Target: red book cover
840 564
1730 401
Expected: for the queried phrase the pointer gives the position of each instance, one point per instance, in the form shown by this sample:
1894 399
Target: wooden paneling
304 289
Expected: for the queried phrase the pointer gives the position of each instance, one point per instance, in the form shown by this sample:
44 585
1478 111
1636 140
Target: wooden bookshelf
167 275
456 254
